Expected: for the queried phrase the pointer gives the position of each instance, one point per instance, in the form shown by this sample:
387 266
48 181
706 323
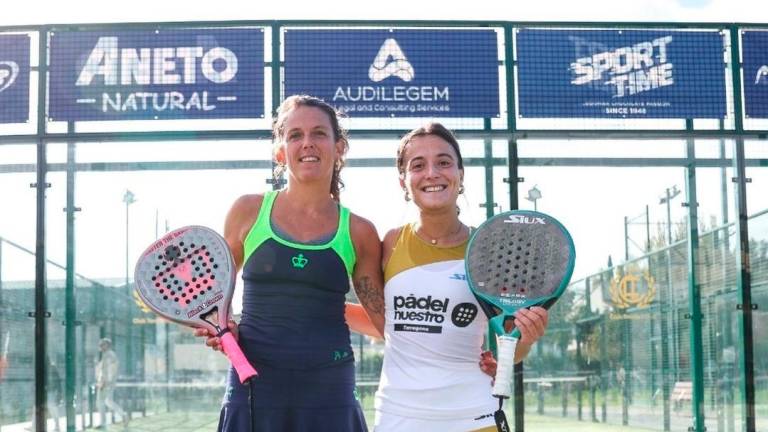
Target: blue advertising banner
620 74
396 73
162 74
14 78
754 49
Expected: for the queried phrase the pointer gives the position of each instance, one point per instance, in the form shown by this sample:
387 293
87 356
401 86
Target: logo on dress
299 261
339 355
390 61
463 314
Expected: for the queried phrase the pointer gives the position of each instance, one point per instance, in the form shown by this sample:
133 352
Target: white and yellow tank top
434 333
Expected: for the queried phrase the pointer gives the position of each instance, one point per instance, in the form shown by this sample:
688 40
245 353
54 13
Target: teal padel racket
514 260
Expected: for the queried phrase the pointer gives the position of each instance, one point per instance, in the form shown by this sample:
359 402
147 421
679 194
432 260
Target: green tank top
261 231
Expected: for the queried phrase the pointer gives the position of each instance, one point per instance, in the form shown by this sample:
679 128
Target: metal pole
626 239
277 183
664 295
129 198
668 196
647 229
694 293
40 185
744 275
513 161
40 313
626 329
724 194
70 306
83 389
669 218
490 205
603 367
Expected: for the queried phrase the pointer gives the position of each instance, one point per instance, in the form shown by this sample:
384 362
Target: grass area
207 421
171 422
536 423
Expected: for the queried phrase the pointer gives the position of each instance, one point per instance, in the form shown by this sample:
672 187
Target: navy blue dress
294 333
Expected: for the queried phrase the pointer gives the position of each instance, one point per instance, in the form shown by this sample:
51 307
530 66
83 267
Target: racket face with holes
519 259
188 276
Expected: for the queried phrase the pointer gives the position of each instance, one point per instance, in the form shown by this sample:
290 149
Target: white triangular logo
383 68
761 77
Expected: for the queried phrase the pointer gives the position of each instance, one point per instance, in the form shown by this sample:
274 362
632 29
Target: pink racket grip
244 369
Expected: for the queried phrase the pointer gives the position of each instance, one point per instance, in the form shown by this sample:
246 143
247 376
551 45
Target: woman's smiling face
308 146
431 172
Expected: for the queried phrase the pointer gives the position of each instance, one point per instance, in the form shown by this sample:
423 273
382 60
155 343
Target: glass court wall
658 178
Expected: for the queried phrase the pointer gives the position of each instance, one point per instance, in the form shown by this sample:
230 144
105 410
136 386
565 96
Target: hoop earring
407 197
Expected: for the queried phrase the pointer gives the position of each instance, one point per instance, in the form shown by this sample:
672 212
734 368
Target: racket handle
244 369
505 366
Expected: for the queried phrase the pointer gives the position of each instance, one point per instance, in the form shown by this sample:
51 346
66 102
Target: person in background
106 378
4 343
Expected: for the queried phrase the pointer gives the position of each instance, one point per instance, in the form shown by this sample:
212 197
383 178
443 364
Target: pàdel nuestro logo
760 78
390 61
8 72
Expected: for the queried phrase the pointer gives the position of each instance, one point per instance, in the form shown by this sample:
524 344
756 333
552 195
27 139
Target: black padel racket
516 260
188 276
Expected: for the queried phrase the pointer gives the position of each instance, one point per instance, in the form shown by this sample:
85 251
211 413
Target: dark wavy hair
339 134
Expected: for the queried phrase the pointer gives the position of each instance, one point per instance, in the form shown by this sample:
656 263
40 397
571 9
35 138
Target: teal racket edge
514 260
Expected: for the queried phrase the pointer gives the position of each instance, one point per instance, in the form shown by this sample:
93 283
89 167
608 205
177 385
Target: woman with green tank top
298 249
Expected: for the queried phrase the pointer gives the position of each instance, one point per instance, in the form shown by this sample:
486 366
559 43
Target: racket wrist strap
502 425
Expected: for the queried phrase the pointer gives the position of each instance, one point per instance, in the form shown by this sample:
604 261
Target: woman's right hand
214 341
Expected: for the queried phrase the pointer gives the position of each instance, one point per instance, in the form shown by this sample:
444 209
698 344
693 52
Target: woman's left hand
532 324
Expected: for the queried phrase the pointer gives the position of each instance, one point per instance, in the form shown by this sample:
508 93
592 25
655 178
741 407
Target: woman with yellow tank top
434 328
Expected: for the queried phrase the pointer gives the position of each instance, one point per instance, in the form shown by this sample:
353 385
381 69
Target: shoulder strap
342 243
261 229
